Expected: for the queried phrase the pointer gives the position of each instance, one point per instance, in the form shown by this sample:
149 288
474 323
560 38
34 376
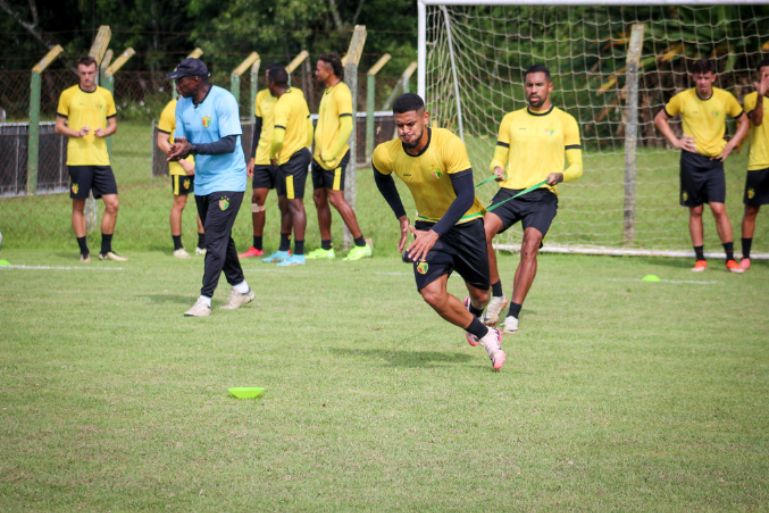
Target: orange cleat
733 267
699 266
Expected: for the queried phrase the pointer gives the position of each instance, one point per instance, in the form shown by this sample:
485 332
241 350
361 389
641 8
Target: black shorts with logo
293 174
536 209
756 188
265 177
462 248
702 180
182 185
84 179
334 179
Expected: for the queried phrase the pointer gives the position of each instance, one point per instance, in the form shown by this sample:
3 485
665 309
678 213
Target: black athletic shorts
265 177
293 174
462 248
756 188
334 179
182 185
84 179
536 209
702 180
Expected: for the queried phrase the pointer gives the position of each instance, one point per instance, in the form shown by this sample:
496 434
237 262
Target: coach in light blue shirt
208 126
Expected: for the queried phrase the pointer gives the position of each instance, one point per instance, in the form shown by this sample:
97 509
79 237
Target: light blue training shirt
217 116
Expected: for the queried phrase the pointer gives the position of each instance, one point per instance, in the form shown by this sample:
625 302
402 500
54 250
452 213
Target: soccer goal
614 65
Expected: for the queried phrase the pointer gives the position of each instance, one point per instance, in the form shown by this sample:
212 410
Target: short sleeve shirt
214 118
92 109
428 175
292 114
265 104
758 135
335 103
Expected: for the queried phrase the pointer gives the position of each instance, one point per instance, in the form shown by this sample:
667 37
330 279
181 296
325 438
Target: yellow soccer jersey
80 109
531 145
336 103
291 114
427 174
758 135
167 125
704 120
265 105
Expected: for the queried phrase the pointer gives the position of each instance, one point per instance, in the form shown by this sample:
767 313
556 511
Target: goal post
614 64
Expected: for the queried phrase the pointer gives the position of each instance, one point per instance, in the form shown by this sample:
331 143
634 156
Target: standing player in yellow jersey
532 145
181 173
290 152
263 174
330 159
703 110
757 180
448 232
86 114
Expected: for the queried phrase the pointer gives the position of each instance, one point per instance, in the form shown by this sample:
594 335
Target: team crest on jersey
224 203
715 113
550 131
422 267
751 193
75 188
437 173
206 121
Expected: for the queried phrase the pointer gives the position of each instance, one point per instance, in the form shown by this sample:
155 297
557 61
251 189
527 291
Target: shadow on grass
411 359
169 298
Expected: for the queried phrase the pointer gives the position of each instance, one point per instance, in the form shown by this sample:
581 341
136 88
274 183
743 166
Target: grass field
618 394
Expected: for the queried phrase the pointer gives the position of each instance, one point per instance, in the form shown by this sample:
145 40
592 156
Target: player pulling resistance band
533 143
433 163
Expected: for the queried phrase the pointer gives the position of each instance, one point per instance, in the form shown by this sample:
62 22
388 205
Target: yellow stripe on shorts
290 187
176 180
337 179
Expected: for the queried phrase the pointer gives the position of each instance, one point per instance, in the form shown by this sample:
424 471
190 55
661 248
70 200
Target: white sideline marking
671 282
57 268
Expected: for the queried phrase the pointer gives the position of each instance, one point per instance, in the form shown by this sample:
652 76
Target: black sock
258 241
106 243
729 250
475 311
285 242
325 244
699 252
83 246
496 289
360 241
477 328
514 310
299 247
201 240
177 242
746 244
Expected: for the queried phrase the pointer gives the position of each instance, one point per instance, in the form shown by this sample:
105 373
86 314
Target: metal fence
52 173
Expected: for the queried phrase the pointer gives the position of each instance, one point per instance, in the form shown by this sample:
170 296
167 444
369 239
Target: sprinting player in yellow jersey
533 145
703 110
757 179
330 159
290 152
263 175
448 232
182 178
86 114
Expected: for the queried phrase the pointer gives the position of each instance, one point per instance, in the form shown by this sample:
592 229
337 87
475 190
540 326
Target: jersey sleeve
571 139
750 102
111 109
343 100
733 107
63 108
167 121
673 107
381 161
228 116
455 157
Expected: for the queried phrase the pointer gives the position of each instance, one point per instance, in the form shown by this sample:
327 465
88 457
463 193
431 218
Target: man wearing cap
208 126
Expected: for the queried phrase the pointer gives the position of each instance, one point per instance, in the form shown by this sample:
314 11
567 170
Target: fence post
33 133
351 61
370 101
631 130
254 85
296 61
402 86
237 72
109 76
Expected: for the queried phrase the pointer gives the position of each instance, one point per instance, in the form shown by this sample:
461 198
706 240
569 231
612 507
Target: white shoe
200 251
199 309
181 253
237 299
492 342
511 324
111 255
495 306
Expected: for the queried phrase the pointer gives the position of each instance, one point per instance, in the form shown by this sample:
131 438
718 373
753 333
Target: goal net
472 58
